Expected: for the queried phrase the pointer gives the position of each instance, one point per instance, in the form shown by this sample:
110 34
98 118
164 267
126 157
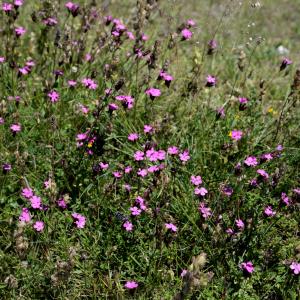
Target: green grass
94 262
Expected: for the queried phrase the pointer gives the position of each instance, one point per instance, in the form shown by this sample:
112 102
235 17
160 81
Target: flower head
295 267
148 128
211 81
247 266
240 224
153 93
131 285
39 226
20 31
128 226
138 155
171 227
7 7
184 156
173 150
36 202
135 211
25 215
251 161
204 210
269 212
79 220
27 193
15 128
133 137
53 96
285 62
196 180
200 191
186 34
236 134
262 173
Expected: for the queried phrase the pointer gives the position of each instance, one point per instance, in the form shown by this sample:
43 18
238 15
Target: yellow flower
230 133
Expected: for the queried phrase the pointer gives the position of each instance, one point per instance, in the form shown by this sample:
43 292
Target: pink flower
112 107
7 7
88 57
53 95
296 191
103 166
251 161
73 8
20 31
89 83
240 224
62 203
190 22
212 46
128 226
142 172
166 77
247 266
135 211
186 34
153 93
285 199
2 59
84 109
36 202
72 83
205 211
183 273
79 220
229 231
50 21
295 267
262 173
196 180
39 226
200 191
130 35
145 37
117 174
211 81
236 134
153 169
269 211
128 169
15 128
184 156
18 3
243 100
141 202
131 285
285 62
138 155
171 226
267 156
227 190
173 150
27 193
81 136
25 215
148 128
133 137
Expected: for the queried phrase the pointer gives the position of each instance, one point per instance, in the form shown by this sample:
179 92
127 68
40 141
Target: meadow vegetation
149 149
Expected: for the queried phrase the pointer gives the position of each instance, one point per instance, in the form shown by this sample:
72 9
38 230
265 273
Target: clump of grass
148 151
